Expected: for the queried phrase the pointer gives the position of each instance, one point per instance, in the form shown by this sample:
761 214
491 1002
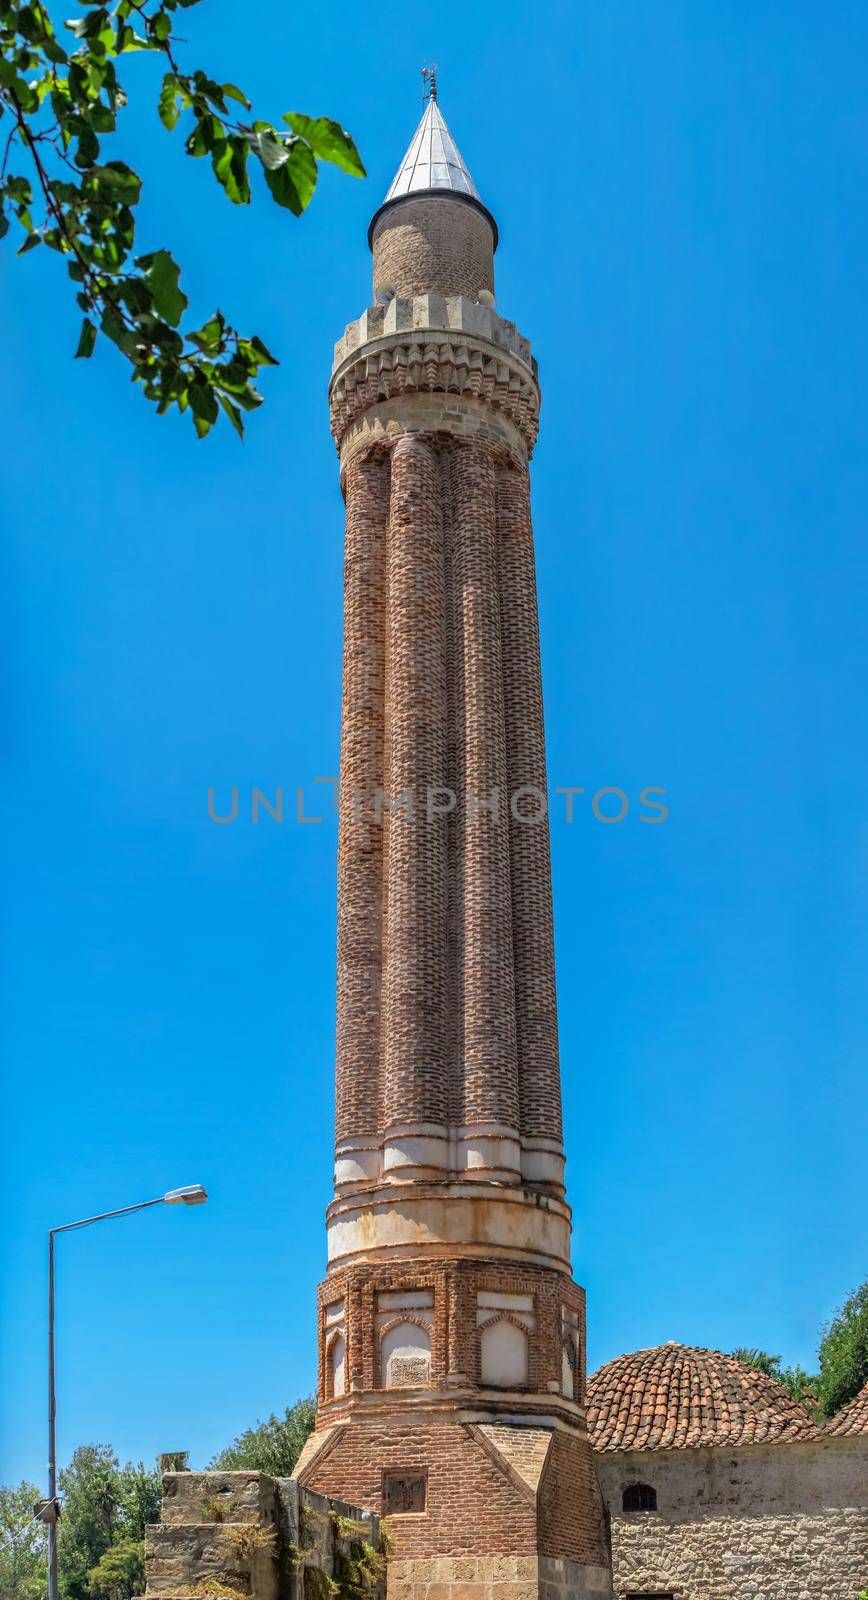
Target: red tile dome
676 1396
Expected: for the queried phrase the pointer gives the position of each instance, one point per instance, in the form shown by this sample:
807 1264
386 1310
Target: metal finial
429 79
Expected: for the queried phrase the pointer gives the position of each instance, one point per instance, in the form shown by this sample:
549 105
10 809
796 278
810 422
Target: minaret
451 1334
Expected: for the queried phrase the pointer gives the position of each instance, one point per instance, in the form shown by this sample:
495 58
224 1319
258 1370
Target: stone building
720 1487
451 1333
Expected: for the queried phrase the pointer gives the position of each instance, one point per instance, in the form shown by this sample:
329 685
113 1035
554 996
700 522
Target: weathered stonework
418 350
784 1521
250 1533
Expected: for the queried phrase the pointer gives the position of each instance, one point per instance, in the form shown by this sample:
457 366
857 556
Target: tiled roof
676 1396
854 1417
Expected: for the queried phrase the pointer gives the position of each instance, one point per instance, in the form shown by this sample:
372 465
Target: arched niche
503 1354
336 1354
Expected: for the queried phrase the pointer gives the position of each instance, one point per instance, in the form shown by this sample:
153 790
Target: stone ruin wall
261 1537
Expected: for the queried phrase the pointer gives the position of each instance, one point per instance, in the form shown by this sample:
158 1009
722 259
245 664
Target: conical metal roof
433 164
433 160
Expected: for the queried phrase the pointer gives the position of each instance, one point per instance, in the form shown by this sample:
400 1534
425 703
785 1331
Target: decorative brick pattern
414 1011
455 1329
435 243
484 917
533 935
360 846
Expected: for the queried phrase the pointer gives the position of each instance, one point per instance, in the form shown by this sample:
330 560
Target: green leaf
229 160
210 336
203 404
293 183
87 149
26 97
206 132
266 359
161 26
328 140
30 243
118 178
168 105
4 224
86 340
233 414
116 329
163 273
231 92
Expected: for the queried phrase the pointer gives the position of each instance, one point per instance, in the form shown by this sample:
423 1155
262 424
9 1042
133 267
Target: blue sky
680 191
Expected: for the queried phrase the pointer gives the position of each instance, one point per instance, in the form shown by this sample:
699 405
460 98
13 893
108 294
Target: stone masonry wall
249 1534
775 1522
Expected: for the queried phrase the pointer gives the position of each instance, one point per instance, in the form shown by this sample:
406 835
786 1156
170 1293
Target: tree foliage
100 1547
273 1446
23 1545
119 1572
844 1353
61 98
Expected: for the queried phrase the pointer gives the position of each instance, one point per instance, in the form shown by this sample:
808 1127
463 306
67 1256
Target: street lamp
48 1510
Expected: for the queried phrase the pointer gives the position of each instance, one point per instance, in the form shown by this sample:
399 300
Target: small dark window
403 1492
640 1497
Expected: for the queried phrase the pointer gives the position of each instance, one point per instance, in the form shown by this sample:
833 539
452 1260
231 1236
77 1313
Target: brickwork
451 1334
433 245
455 1344
570 1480
533 935
361 840
414 1011
482 905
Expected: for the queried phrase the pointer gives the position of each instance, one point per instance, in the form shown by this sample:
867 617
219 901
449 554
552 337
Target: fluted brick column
490 1068
533 937
360 855
413 1036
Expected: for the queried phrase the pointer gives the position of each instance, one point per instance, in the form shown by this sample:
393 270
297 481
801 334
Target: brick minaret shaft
447 1025
451 1334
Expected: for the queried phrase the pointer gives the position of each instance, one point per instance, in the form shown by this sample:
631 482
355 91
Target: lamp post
49 1510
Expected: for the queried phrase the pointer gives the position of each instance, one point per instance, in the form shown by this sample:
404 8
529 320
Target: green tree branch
62 106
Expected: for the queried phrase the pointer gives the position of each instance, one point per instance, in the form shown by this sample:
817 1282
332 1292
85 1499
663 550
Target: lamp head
192 1195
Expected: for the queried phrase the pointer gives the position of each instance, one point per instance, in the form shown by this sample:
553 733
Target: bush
844 1354
120 1572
